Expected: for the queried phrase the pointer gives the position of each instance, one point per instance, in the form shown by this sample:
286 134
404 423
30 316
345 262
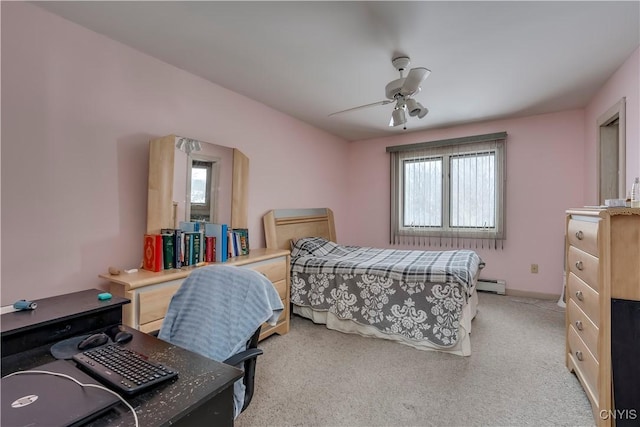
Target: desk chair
217 312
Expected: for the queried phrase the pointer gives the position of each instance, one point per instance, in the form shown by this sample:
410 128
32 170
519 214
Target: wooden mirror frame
161 212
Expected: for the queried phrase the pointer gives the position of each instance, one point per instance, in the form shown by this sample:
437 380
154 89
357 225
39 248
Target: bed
423 299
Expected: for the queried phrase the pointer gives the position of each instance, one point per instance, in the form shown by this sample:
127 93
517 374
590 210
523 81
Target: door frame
615 112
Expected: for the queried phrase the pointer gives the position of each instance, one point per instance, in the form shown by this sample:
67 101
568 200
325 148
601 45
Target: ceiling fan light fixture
416 109
398 117
188 145
413 107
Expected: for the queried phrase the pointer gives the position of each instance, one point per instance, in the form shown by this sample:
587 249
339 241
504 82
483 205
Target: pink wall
78 112
624 83
545 176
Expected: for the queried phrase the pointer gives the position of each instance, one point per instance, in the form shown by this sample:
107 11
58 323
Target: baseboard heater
492 285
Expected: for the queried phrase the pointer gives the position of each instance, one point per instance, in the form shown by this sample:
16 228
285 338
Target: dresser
603 263
150 292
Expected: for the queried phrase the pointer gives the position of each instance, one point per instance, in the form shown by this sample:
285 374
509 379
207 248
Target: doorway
611 153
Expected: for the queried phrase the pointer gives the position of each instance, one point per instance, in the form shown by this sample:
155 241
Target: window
199 181
448 189
202 181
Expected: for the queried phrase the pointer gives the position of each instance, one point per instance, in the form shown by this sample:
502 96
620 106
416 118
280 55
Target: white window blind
449 192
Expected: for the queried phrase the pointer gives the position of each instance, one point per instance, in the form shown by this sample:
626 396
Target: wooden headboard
282 225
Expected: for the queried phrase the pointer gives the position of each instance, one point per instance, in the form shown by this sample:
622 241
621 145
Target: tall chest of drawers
603 262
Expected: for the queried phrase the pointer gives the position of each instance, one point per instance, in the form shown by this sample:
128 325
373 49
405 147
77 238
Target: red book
152 259
208 250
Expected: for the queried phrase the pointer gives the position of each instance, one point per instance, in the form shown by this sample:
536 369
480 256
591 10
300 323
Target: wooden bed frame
282 225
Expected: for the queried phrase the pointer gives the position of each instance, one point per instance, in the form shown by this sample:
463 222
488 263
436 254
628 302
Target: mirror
195 180
202 189
203 183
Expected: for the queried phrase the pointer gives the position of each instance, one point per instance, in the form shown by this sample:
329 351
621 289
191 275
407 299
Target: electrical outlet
534 268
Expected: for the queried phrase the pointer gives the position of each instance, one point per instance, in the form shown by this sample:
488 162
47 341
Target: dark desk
58 318
201 395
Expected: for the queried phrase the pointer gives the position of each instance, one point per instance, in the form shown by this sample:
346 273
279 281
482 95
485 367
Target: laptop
46 400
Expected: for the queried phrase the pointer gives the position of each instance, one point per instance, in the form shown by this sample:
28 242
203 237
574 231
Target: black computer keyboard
122 369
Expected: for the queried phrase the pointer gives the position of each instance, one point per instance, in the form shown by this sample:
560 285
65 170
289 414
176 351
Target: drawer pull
579 235
580 295
579 325
579 265
579 355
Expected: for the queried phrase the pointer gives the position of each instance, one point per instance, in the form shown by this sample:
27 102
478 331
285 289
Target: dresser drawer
282 325
585 363
274 270
583 235
584 327
281 287
153 303
585 266
284 315
585 297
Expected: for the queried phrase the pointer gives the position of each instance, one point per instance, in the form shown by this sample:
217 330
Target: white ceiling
488 60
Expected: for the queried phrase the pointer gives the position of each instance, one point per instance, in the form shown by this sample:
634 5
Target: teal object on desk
104 296
24 305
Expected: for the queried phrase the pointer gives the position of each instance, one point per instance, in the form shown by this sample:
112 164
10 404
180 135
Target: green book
168 251
197 244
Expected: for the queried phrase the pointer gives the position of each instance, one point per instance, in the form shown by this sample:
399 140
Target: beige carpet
515 376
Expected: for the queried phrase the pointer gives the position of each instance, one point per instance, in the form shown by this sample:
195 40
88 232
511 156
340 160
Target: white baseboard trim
529 294
492 285
499 287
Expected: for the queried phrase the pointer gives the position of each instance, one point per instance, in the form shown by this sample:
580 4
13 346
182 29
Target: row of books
238 242
193 243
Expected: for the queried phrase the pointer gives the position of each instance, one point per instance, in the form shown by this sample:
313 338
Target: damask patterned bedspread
416 294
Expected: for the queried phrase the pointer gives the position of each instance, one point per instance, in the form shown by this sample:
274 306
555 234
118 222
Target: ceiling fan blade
413 80
373 104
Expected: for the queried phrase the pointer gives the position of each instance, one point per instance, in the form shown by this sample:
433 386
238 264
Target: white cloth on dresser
217 309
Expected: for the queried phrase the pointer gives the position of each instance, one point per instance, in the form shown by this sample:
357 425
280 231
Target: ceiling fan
401 91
